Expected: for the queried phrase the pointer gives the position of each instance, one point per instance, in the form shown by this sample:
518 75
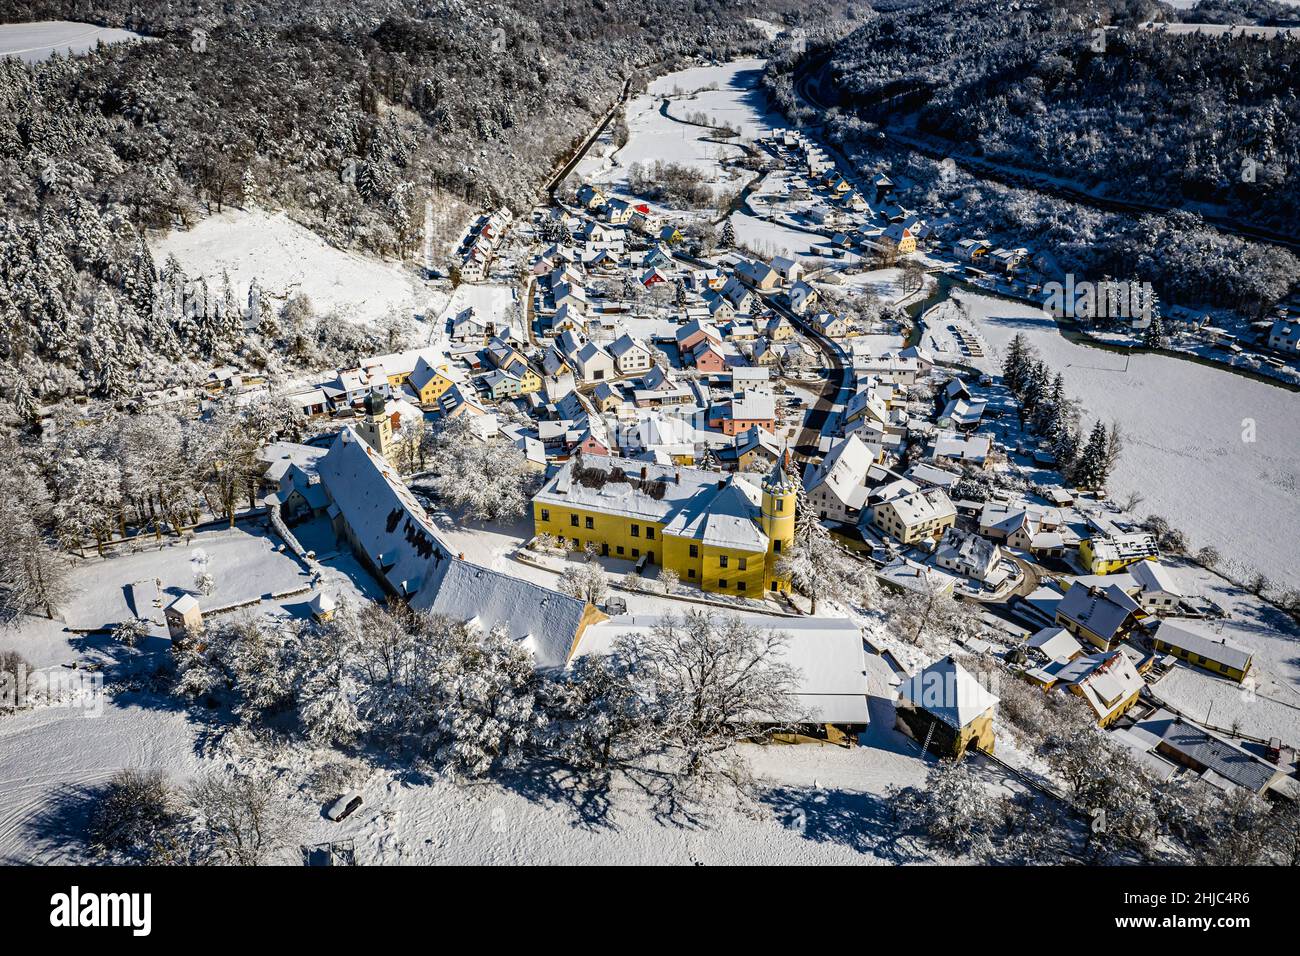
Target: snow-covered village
703 443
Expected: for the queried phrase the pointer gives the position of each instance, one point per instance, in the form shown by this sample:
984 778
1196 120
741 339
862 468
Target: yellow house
945 709
779 329
430 383
721 533
1101 616
1106 554
1109 683
529 380
1214 654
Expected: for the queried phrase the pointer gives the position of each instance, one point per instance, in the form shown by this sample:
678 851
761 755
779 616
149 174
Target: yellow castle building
719 532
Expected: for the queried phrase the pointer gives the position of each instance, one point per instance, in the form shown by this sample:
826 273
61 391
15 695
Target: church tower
377 425
780 492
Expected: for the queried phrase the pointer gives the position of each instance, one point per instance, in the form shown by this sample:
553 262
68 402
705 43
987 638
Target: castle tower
780 492
376 425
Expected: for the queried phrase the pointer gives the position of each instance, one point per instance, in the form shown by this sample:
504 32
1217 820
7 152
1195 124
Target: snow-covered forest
348 116
1170 119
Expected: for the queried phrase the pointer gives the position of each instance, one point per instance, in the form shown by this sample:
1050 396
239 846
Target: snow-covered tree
487 479
240 820
706 679
586 582
814 562
955 810
328 689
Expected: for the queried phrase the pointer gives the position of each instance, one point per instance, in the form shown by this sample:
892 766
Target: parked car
344 807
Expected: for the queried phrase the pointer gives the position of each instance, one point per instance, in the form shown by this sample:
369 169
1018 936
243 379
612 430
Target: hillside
349 118
1175 119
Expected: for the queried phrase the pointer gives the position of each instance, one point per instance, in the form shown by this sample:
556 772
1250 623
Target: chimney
645 472
722 483
677 477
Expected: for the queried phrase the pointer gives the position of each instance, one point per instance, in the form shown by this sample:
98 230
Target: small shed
323 606
947 709
183 616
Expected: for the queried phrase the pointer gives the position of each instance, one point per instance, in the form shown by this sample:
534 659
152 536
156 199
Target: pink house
707 357
694 332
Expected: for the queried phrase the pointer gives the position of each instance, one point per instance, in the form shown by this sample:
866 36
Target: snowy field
737 101
33 42
773 239
1218 29
50 758
653 136
818 804
1184 449
286 258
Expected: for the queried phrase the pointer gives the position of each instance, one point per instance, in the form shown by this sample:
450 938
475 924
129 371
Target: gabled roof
545 621
388 524
1154 576
844 472
1056 643
624 344
1218 650
1099 611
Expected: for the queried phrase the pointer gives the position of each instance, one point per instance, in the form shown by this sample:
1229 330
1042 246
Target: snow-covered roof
322 602
1208 750
844 472
1152 576
968 551
1100 611
385 520
827 653
1105 681
725 518
545 621
1216 649
689 502
949 692
929 504
1056 643
280 456
183 604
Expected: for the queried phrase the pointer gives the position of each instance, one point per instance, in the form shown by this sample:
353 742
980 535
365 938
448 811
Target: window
636 531
546 514
744 564
695 551
722 561
636 552
776 546
690 573
573 520
740 586
722 582
620 549
780 504
649 532
590 524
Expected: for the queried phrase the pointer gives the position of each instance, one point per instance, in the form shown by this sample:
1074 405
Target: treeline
1047 411
100 476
